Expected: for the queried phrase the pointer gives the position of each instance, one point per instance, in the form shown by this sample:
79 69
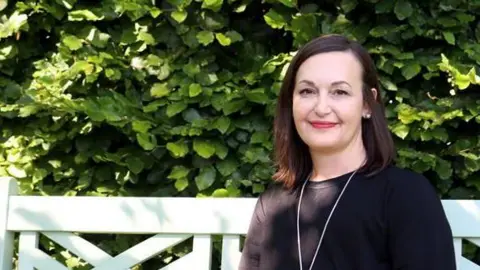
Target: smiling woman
338 200
328 102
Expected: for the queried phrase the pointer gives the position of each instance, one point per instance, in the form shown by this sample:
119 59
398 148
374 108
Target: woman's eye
340 92
306 91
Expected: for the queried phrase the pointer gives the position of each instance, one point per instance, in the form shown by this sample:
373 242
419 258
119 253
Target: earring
367 116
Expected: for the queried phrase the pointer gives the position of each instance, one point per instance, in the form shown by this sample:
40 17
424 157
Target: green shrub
176 98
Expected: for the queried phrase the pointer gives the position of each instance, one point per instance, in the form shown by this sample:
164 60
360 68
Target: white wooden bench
171 220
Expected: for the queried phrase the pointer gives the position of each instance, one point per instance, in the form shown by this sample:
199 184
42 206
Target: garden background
176 97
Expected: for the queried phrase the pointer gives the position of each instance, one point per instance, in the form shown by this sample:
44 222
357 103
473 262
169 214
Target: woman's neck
334 164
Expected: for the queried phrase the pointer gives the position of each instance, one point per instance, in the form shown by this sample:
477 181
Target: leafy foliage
176 98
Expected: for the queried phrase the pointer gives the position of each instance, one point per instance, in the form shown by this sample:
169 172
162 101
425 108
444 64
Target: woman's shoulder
406 184
275 196
275 191
404 178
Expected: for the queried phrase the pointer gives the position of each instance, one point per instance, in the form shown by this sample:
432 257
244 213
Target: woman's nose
322 106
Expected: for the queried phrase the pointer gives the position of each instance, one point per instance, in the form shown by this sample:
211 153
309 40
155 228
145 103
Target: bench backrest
171 220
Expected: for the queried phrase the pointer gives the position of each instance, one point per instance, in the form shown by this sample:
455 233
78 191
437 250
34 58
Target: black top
393 220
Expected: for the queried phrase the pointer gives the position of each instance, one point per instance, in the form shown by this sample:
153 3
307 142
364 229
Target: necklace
324 228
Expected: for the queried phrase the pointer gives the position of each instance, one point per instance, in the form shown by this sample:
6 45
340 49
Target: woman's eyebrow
307 82
332 84
340 82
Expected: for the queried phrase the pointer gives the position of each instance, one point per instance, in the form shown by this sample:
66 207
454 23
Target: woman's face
328 101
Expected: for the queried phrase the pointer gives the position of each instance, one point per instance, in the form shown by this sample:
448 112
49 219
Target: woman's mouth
323 124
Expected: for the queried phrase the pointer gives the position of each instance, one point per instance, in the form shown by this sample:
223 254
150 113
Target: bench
170 220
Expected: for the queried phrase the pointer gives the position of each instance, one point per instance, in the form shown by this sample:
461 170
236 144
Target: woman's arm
419 235
251 253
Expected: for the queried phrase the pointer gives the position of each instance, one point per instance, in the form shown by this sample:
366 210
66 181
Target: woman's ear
367 112
374 93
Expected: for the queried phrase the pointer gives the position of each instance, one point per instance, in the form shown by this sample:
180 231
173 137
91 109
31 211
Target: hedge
176 98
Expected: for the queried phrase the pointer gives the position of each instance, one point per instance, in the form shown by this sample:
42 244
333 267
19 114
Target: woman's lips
323 124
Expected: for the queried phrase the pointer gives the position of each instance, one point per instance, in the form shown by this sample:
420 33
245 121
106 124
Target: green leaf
16 171
222 39
449 37
163 72
141 126
180 3
191 115
194 89
178 149
384 6
205 37
472 165
443 169
403 9
222 124
3 4
401 130
207 78
113 74
258 188
234 36
305 27
257 95
175 108
214 5
348 5
274 19
179 15
233 106
221 150
462 81
410 70
155 12
135 164
72 42
178 172
92 34
147 141
146 37
66 3
227 167
181 184
203 148
388 84
40 174
260 137
191 69
205 178
220 193
288 3
81 15
159 90
440 134
464 18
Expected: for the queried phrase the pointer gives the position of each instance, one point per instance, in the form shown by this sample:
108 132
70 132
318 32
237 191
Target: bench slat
464 217
130 215
171 215
467 265
8 187
199 258
80 247
231 252
30 257
141 252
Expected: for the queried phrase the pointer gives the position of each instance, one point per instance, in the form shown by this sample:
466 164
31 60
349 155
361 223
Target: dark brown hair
292 155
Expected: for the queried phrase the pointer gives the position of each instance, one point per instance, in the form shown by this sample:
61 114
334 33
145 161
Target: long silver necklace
324 228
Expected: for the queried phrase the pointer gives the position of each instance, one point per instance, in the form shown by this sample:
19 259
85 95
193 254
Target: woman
338 201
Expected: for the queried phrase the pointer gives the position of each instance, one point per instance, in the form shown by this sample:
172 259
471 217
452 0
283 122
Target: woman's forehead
331 67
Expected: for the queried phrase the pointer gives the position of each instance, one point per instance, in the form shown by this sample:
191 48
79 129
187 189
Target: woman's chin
325 146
